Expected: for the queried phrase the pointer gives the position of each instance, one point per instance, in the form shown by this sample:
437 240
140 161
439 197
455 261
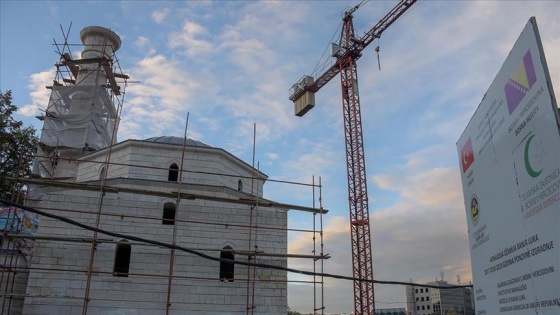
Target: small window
239 185
122 259
417 308
426 290
169 210
428 307
423 308
227 269
416 290
417 299
422 299
427 298
421 290
173 173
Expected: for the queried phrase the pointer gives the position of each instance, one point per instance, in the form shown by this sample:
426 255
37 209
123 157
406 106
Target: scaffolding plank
75 62
73 68
121 76
189 196
111 77
108 240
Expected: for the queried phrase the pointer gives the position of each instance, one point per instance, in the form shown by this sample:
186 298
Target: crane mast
302 94
356 171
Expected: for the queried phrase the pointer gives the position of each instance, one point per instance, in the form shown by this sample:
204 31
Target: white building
428 301
171 190
128 277
418 300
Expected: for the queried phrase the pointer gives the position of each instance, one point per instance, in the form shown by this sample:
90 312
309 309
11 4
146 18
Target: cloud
163 97
252 46
258 77
261 105
144 44
276 20
187 39
249 48
160 15
212 124
53 8
141 41
319 158
272 156
39 93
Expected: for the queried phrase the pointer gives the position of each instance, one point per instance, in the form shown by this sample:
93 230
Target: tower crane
347 52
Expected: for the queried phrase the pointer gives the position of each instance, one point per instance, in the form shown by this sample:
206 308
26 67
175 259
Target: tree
290 312
17 146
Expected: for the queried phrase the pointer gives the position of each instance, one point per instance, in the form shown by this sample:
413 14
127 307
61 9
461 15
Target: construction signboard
510 169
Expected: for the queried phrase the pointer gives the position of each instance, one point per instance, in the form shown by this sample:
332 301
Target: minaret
99 42
81 115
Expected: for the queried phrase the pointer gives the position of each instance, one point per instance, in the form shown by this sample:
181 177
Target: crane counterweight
303 99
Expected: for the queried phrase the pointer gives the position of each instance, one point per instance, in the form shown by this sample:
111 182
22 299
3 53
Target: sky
230 64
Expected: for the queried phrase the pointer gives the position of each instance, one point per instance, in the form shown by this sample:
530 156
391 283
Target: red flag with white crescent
467 155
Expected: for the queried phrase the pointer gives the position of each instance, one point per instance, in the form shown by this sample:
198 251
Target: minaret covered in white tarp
81 115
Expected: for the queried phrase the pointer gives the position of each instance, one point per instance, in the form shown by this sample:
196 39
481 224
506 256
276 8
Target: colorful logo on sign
475 214
520 83
467 155
533 156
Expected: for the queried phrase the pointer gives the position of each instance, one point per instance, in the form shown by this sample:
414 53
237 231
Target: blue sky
230 65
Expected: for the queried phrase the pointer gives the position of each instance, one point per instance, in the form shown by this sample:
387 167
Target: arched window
122 259
169 210
102 173
239 185
173 173
227 269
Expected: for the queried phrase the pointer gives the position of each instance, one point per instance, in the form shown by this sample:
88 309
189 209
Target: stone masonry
58 280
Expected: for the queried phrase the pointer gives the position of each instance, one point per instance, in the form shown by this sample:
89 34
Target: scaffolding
75 158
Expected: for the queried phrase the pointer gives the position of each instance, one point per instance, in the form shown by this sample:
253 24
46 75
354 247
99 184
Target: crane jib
357 45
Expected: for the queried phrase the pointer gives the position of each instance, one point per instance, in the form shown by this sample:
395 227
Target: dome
177 141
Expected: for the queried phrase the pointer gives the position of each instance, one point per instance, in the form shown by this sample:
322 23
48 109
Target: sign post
510 169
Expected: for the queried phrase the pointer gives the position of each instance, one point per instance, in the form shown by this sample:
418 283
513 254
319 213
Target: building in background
440 301
418 300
